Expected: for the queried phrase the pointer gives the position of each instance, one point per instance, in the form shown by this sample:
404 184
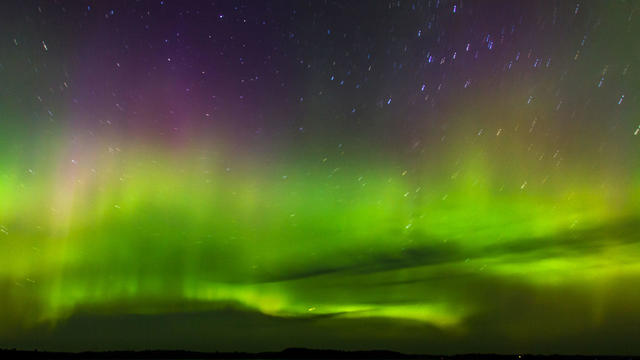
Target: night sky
415 175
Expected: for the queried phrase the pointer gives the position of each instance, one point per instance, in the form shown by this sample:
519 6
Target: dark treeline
291 353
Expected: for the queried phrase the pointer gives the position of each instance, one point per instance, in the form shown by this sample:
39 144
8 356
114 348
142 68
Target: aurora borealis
422 176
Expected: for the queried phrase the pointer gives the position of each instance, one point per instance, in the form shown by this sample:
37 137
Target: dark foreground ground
292 353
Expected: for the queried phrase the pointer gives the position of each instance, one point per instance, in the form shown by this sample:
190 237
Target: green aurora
309 237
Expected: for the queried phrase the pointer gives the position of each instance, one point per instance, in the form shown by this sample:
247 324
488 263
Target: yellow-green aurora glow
145 228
